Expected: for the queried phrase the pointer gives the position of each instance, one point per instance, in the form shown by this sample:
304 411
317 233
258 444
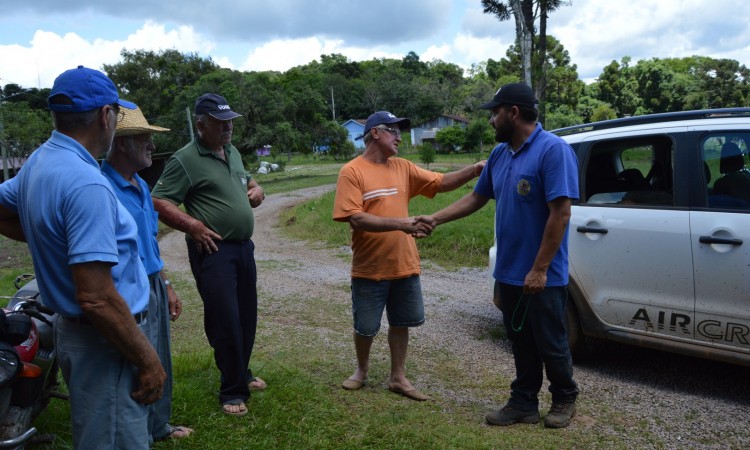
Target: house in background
426 131
11 165
355 129
264 151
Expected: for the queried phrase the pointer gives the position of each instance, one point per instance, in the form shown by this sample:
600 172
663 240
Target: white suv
660 238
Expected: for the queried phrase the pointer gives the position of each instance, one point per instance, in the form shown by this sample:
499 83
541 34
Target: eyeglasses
118 112
394 131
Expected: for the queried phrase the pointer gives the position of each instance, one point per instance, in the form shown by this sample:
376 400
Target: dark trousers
226 281
539 341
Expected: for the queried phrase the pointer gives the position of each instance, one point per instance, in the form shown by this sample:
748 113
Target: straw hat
133 122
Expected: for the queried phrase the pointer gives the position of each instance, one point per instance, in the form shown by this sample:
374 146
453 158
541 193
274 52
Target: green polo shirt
213 191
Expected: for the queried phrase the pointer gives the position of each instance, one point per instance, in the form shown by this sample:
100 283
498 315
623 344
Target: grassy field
304 407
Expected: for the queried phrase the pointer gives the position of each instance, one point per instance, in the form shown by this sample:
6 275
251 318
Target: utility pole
3 146
189 121
333 104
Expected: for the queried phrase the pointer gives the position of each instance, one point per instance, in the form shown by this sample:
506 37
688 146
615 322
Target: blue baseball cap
384 117
86 89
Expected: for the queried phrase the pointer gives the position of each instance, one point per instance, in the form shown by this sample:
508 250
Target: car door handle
583 229
714 240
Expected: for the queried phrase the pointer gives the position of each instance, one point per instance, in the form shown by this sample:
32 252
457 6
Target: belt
83 320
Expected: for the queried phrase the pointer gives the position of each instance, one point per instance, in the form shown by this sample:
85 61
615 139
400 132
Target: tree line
303 108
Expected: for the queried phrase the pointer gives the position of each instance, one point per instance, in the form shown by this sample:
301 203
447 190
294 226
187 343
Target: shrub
426 153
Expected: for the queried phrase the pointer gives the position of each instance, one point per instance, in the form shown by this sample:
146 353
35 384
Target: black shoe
559 415
510 415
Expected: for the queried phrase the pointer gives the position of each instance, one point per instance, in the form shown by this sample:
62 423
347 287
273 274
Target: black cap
215 106
384 117
515 94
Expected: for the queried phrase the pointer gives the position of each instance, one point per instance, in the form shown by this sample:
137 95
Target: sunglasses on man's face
394 131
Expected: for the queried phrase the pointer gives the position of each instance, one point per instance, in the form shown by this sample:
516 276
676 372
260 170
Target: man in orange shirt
372 194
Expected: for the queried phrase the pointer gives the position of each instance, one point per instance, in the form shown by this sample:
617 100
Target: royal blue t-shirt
544 168
70 215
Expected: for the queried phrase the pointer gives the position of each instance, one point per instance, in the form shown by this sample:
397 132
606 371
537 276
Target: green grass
14 260
303 351
298 177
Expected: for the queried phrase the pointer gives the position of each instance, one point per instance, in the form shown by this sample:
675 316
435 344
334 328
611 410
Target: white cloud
282 54
598 32
476 23
437 52
153 36
49 54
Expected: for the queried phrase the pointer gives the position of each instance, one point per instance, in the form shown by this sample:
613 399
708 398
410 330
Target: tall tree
526 12
154 80
545 7
522 11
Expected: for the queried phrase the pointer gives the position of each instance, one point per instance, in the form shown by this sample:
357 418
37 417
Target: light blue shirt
70 215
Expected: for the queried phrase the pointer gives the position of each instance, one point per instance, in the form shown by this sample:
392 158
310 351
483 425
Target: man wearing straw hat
131 151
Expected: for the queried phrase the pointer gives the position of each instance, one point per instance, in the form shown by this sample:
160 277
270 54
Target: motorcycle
28 365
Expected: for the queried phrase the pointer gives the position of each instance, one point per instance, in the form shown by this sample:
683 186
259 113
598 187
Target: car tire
576 339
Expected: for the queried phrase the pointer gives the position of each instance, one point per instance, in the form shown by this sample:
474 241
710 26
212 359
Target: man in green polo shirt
208 176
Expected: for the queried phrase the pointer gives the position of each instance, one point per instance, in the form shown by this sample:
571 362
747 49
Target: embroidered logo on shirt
379 193
523 187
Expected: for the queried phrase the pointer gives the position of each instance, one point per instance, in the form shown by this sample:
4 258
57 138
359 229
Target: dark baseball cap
515 94
85 89
215 106
384 117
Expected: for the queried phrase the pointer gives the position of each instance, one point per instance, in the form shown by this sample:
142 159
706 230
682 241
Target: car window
630 172
725 165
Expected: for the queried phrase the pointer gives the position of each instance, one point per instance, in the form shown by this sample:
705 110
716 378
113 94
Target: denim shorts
401 298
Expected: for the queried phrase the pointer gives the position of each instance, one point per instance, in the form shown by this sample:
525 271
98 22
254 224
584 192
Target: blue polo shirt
137 200
544 168
70 215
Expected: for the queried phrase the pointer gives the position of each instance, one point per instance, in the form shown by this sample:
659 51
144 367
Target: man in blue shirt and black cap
532 175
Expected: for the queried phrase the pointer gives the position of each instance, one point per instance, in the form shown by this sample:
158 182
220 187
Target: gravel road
648 399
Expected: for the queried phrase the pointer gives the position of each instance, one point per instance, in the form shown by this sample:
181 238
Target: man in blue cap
83 244
372 194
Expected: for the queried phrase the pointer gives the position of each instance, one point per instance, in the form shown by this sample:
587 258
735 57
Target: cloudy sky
41 38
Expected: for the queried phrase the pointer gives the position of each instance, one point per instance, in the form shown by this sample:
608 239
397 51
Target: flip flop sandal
256 384
240 403
178 432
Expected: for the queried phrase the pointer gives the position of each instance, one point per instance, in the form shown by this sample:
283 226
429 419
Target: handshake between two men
422 226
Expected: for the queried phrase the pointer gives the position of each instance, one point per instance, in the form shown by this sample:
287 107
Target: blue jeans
226 281
100 381
539 341
158 334
401 298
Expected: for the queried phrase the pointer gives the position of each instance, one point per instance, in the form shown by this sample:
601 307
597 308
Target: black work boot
510 415
559 415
